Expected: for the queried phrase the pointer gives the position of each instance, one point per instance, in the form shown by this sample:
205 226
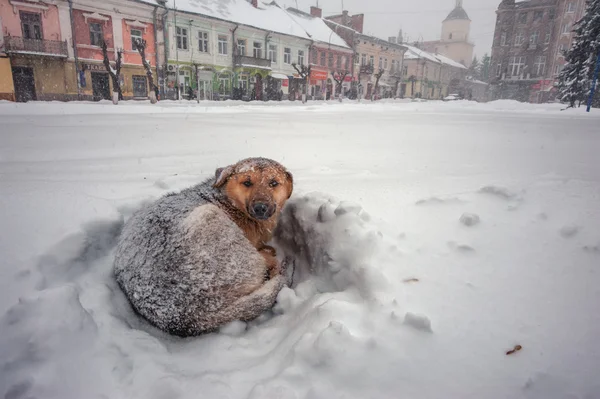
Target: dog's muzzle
261 210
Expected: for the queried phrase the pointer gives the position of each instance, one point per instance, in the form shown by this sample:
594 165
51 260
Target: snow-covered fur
188 268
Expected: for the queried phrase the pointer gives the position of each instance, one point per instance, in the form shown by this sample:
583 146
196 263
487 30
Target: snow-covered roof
268 17
447 61
316 28
414 53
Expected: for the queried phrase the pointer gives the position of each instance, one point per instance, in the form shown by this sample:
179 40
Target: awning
279 76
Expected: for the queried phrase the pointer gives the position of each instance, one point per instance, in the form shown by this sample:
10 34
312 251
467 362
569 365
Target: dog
198 259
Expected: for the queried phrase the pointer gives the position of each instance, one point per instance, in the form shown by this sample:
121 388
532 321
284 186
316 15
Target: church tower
456 29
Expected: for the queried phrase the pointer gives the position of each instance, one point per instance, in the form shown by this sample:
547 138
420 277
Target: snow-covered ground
479 231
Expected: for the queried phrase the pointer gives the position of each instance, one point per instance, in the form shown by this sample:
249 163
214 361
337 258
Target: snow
269 16
392 297
414 53
447 61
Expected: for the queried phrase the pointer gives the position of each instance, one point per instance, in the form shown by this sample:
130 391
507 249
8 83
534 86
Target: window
551 14
136 35
322 58
241 47
363 59
203 42
224 85
380 62
140 86
516 65
338 62
347 63
519 39
533 39
314 56
571 7
566 29
499 70
287 55
257 50
538 16
273 53
405 71
222 44
372 61
558 69
539 65
393 65
31 25
330 60
96 35
523 18
561 50
547 39
182 38
385 63
503 39
300 57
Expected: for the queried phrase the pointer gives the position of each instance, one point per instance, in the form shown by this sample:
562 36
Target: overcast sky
418 19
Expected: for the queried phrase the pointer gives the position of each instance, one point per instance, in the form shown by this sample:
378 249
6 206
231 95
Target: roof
316 28
414 53
269 17
457 13
447 61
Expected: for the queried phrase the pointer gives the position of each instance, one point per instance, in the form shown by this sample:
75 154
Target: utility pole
594 82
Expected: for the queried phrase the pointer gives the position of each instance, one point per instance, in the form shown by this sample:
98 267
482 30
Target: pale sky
417 18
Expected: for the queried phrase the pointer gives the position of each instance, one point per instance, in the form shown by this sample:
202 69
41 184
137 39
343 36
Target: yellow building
7 86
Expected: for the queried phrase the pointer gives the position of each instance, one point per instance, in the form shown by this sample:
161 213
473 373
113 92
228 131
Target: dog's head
258 187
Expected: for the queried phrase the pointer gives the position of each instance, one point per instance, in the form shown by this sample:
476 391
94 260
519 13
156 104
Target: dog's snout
260 209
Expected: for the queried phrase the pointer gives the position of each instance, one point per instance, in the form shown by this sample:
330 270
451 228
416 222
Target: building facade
455 42
529 40
36 50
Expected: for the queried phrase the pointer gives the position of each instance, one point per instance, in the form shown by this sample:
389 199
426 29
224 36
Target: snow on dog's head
259 187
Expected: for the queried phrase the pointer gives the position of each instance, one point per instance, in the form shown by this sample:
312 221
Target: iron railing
244 60
14 44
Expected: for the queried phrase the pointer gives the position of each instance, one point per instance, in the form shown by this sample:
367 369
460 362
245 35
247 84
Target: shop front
96 83
319 82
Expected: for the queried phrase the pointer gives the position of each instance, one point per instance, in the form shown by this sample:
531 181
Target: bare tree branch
116 72
140 46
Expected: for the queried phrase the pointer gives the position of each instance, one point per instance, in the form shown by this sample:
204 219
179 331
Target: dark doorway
24 84
259 88
100 86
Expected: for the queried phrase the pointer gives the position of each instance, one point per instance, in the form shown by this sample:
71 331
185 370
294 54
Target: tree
378 76
304 72
484 68
365 69
114 73
575 79
474 68
339 78
140 46
412 79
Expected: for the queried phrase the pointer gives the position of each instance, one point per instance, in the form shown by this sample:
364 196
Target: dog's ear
221 176
290 178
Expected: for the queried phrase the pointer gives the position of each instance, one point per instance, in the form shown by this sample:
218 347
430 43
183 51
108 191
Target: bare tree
304 73
140 46
378 76
365 69
339 78
114 72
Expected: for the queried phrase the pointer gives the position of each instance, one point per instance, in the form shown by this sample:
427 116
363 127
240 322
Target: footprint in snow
569 231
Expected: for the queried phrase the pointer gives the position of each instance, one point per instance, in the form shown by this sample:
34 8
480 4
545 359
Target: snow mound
469 219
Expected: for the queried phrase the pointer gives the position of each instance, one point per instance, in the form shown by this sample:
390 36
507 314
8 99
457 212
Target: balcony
19 45
251 62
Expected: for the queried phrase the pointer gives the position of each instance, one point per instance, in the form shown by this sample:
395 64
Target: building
529 40
372 55
455 41
118 24
7 87
330 55
35 53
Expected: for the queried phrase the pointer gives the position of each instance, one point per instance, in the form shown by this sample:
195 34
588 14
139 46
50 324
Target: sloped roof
414 53
316 28
447 61
457 13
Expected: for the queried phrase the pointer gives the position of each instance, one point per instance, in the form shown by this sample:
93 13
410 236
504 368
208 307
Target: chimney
316 12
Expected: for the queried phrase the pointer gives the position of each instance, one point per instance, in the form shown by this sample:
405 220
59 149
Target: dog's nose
260 209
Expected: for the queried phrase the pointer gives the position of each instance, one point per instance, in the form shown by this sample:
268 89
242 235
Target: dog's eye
247 183
273 183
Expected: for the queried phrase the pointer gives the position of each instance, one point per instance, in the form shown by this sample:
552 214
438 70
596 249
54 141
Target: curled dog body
195 260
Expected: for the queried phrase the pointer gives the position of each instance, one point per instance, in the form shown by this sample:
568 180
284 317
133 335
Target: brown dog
257 189
195 260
